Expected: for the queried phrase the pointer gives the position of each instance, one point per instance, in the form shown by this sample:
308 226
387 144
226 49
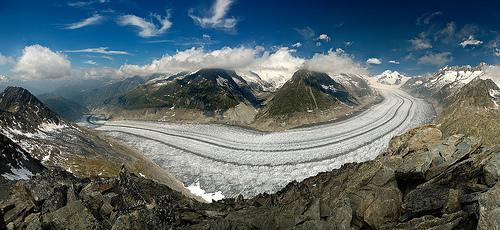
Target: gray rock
489 208
492 169
72 216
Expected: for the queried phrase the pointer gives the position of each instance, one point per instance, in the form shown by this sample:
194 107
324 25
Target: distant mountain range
218 95
465 103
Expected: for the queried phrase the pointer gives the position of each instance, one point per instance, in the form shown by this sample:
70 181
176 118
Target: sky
50 41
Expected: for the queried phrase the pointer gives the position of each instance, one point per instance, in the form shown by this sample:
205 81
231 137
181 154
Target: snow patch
18 174
209 197
51 127
329 87
222 81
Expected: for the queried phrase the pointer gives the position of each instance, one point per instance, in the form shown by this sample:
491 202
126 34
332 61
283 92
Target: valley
236 160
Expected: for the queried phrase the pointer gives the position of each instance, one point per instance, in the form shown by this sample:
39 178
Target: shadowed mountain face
102 95
308 91
21 110
66 108
209 90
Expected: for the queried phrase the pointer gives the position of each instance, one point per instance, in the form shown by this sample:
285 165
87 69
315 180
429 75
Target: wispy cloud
374 61
90 62
421 42
446 34
98 50
95 19
306 32
394 62
437 59
80 4
470 41
426 18
146 28
497 52
297 45
217 16
205 40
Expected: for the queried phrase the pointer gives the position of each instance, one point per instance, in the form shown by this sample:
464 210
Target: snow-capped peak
389 77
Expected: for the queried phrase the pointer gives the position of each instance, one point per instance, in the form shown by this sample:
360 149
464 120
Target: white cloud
373 61
335 62
206 36
38 62
99 50
324 37
437 59
6 60
497 52
90 62
217 18
470 41
95 19
297 45
394 62
421 42
147 28
348 43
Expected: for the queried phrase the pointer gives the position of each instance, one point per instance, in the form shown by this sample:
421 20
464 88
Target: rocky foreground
421 182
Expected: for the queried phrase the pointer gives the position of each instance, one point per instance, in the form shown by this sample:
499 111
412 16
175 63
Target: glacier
233 160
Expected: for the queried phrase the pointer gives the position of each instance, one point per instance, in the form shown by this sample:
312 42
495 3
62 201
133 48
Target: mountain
391 78
355 84
422 181
55 142
67 109
445 82
96 97
212 91
256 82
473 110
312 97
308 91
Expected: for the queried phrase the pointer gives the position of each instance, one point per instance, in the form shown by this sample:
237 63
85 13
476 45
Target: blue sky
421 36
